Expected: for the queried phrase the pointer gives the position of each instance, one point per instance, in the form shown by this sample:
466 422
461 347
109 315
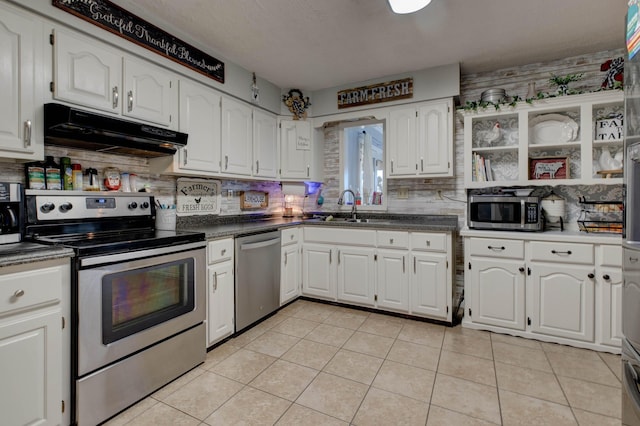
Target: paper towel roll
294 189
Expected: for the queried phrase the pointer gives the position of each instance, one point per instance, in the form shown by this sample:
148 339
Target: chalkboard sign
122 23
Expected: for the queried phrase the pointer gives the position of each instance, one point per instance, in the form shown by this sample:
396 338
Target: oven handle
133 255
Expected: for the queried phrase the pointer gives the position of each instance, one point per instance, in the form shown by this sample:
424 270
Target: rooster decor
297 103
490 137
614 73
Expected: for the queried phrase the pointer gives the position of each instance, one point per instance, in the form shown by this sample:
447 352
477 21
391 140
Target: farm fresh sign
114 19
376 93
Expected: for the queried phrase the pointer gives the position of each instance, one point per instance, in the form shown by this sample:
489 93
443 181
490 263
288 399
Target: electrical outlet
229 194
403 193
439 192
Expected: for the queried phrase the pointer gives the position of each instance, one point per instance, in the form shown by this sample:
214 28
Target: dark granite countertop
218 227
17 253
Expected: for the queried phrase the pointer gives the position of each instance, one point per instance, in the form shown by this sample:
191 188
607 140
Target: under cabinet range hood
68 126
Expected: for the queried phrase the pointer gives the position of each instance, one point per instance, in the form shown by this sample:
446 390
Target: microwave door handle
523 213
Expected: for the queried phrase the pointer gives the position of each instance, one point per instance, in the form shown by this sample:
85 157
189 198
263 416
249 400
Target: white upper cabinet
92 74
265 153
420 140
550 142
86 72
296 144
151 93
20 37
237 137
200 119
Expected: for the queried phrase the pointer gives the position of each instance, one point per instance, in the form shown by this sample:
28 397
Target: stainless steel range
138 296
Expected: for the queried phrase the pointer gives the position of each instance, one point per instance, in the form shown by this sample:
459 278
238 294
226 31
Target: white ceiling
316 44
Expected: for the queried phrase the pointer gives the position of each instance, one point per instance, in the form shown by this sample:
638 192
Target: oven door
129 301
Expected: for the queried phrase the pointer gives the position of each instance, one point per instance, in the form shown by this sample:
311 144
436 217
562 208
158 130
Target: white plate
553 129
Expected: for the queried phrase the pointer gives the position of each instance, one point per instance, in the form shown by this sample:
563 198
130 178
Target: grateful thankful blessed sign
114 19
376 93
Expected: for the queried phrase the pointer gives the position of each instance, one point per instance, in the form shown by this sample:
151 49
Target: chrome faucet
353 206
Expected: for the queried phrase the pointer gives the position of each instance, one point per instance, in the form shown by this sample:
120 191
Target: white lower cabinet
393 280
498 290
318 271
399 271
34 337
562 301
565 290
356 275
291 264
220 290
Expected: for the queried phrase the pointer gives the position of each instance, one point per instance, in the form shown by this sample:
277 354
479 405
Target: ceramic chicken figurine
607 162
492 136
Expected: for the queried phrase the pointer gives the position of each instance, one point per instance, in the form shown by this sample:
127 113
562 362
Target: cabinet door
393 280
220 322
30 351
356 275
435 139
611 299
429 284
402 142
295 149
18 137
150 93
87 72
318 271
290 273
498 292
265 153
200 119
237 137
562 301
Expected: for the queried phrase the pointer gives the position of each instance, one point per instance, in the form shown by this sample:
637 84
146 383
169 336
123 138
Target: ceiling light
407 6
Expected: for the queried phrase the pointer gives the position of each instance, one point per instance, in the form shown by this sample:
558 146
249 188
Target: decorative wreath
297 103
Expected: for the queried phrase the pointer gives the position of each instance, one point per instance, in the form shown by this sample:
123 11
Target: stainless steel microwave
505 212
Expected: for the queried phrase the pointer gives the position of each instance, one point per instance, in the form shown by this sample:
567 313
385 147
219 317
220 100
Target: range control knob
47 207
133 205
144 205
65 207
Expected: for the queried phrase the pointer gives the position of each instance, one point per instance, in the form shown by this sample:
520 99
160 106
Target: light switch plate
403 193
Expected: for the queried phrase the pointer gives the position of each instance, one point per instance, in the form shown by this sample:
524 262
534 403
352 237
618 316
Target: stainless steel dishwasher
257 277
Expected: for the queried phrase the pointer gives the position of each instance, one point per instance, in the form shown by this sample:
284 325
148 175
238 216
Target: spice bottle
77 177
66 172
52 174
35 175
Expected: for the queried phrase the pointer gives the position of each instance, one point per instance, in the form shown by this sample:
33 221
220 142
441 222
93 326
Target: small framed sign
197 197
250 200
549 168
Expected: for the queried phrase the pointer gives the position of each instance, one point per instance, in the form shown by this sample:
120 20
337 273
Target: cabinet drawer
289 236
351 237
561 252
489 247
393 239
611 255
220 250
22 290
429 241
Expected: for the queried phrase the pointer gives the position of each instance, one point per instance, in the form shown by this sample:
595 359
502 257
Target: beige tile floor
318 364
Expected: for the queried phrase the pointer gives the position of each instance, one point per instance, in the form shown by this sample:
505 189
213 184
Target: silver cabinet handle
338 257
18 293
390 240
226 162
496 248
403 270
414 265
422 165
428 243
561 252
130 101
633 260
27 133
285 257
257 166
115 96
308 170
215 281
391 166
222 252
330 252
185 156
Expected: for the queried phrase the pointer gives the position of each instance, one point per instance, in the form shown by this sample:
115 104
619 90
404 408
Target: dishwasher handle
260 244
